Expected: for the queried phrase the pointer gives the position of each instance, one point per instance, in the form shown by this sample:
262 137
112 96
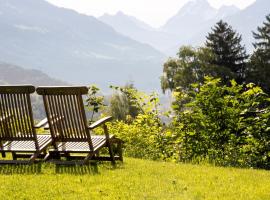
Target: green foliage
140 136
123 103
259 69
226 46
224 124
95 102
190 67
228 125
143 134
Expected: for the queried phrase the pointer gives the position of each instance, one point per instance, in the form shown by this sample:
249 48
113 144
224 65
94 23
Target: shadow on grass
77 169
91 168
20 169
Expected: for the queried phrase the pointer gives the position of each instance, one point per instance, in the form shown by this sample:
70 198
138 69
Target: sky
153 12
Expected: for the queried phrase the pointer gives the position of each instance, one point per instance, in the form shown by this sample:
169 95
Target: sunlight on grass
135 179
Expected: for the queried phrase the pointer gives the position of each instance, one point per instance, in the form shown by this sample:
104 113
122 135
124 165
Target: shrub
228 125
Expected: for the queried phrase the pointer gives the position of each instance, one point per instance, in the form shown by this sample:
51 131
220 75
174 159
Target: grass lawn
135 179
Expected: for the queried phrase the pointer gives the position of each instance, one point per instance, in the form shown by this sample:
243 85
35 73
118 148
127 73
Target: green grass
135 179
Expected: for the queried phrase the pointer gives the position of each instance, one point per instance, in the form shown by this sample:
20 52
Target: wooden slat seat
82 147
26 146
17 129
69 127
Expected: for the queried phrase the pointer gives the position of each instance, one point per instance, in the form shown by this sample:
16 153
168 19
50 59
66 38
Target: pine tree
259 70
229 53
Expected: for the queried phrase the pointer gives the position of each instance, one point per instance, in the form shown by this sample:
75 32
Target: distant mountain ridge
188 22
194 20
138 30
13 74
120 19
193 13
73 47
113 49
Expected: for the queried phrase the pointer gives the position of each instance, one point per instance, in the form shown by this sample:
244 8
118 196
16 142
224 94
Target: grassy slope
135 179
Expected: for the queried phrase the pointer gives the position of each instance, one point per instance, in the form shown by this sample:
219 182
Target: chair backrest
65 112
16 116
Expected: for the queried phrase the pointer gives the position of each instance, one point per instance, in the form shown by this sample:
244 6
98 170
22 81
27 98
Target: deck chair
17 130
69 127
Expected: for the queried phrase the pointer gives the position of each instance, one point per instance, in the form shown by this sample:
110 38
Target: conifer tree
259 70
229 53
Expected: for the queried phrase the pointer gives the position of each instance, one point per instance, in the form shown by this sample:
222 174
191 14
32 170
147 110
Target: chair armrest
42 123
100 122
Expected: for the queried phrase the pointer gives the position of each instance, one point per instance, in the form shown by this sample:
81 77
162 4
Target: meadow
134 179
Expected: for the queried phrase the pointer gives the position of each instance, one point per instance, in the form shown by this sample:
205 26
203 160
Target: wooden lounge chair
17 129
69 127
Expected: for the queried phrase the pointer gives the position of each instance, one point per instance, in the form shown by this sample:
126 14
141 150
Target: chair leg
119 150
111 153
47 157
108 140
14 156
33 157
88 157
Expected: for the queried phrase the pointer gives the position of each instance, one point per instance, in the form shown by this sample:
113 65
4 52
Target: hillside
135 179
74 47
12 74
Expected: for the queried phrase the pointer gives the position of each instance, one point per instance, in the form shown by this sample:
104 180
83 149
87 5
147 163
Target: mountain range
191 23
74 47
111 49
139 31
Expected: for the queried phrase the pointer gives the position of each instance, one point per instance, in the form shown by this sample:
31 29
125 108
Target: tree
123 102
191 66
259 69
226 45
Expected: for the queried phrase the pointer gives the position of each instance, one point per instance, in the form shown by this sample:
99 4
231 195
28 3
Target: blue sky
153 12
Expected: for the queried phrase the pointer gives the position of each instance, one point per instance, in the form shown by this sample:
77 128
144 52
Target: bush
224 124
143 133
228 125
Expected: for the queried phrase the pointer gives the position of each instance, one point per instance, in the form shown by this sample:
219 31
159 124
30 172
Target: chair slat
64 111
3 117
9 108
5 105
66 103
15 103
17 112
21 113
25 116
54 117
69 113
78 118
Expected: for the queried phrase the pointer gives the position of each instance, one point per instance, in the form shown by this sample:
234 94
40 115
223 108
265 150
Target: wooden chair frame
17 130
69 127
